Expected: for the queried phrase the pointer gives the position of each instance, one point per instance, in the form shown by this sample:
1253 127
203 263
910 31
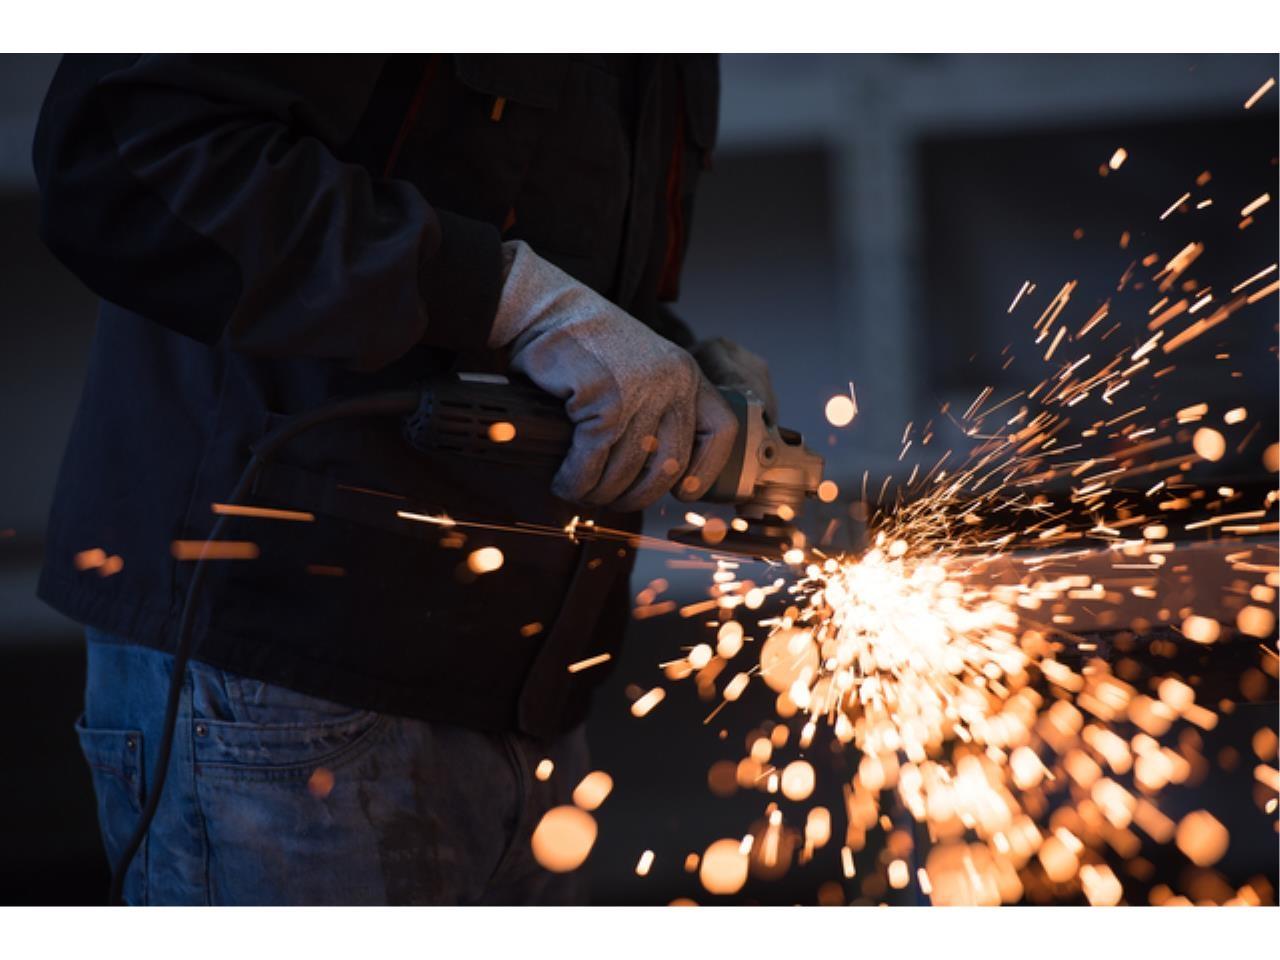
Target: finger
716 430
585 462
673 444
626 458
730 364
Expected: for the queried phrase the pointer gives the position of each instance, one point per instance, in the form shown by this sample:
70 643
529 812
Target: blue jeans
275 797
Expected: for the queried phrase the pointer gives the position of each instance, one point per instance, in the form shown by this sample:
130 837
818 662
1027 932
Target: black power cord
396 403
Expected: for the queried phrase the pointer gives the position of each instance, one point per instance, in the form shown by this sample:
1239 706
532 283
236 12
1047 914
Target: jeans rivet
130 742
201 730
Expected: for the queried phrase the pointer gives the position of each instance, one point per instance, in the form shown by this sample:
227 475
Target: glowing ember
724 866
90 559
1209 443
1255 205
841 410
563 838
1271 458
1256 622
1200 629
729 639
593 790
644 864
590 662
1202 838
797 780
485 560
320 783
214 550
647 702
261 513
899 874
1260 92
502 432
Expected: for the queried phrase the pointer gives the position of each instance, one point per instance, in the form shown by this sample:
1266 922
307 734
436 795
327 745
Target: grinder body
768 476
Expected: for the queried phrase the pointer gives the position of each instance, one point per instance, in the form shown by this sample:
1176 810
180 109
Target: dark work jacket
271 232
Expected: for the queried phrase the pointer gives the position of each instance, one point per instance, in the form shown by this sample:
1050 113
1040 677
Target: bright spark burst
942 656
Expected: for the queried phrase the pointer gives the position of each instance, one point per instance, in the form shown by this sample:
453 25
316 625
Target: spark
502 432
214 550
440 520
1192 413
1056 340
841 410
590 662
592 790
563 838
1257 276
90 559
1176 204
485 560
263 513
325 570
644 704
1209 443
653 610
1093 321
955 654
1264 292
1254 205
1026 284
1195 307
1260 92
321 782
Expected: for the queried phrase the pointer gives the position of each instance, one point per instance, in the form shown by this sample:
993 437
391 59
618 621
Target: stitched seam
285 771
205 860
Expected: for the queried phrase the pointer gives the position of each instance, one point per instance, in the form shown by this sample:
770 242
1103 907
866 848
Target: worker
365 709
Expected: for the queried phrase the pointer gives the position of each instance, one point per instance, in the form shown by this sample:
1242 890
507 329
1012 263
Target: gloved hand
729 364
646 419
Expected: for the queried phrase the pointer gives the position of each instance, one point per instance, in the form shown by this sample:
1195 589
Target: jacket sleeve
204 193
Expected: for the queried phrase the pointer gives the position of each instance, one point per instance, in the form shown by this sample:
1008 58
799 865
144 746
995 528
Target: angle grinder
492 417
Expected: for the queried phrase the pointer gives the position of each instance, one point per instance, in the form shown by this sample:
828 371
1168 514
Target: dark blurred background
869 218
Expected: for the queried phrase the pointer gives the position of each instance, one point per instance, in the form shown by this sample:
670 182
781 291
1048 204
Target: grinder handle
490 417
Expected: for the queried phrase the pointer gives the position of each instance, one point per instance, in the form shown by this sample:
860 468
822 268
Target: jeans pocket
115 759
268 732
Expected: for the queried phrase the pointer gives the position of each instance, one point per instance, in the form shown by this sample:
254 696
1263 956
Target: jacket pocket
115 759
468 148
573 198
535 80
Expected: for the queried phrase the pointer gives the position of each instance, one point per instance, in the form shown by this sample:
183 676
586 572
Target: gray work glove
646 419
729 364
